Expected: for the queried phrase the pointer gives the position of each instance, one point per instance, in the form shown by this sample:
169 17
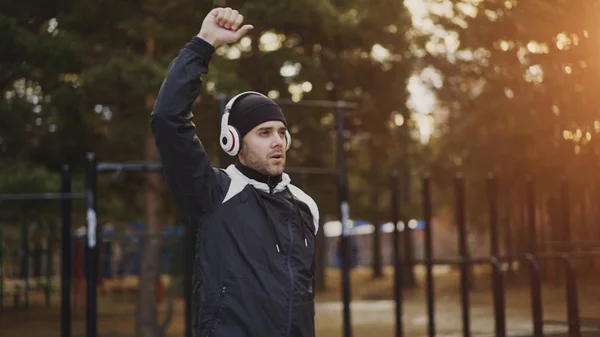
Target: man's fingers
226 15
243 31
238 22
220 15
215 12
231 19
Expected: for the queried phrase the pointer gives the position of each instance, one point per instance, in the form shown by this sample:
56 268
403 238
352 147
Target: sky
422 100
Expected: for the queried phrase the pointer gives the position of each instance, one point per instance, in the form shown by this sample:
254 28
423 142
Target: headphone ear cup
230 141
288 140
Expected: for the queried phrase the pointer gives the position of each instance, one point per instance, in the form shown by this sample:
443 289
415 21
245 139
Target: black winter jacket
255 244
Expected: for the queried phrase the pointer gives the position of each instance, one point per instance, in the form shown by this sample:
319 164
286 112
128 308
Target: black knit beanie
251 110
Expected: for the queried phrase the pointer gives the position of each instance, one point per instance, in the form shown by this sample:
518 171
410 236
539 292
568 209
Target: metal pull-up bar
41 196
66 197
93 169
129 166
318 103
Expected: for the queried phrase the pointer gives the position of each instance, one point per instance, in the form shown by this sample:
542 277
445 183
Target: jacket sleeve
188 172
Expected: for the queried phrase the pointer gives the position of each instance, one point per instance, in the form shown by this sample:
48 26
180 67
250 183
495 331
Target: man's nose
277 141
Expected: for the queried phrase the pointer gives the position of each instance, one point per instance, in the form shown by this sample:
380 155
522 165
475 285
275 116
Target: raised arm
193 181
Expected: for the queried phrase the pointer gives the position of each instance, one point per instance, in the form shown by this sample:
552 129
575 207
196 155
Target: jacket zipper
289 265
271 187
217 308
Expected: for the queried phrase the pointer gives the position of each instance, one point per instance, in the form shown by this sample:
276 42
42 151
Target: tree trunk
147 312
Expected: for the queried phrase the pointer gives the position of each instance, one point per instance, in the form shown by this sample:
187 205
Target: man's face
263 148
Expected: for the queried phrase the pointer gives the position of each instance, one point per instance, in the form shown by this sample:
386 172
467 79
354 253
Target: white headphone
230 137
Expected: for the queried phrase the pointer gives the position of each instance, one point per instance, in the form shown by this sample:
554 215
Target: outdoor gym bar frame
532 258
66 197
93 168
92 253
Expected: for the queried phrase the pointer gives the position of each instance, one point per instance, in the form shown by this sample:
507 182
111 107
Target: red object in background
79 275
160 292
79 272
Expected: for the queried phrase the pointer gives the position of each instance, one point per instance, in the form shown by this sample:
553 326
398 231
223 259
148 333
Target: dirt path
372 311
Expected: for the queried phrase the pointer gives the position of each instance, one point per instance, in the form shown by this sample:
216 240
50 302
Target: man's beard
261 164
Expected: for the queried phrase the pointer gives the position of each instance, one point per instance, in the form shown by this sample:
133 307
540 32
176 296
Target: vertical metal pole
497 280
91 248
536 288
344 217
532 239
25 233
407 265
508 230
572 300
1 268
409 280
395 214
493 212
462 245
66 263
49 265
536 296
321 260
376 262
429 287
566 213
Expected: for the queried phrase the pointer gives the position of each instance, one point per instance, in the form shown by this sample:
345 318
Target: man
255 242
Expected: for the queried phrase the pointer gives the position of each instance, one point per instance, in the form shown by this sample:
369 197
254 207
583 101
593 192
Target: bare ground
372 310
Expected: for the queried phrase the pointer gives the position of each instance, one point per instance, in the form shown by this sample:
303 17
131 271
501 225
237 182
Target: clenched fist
223 25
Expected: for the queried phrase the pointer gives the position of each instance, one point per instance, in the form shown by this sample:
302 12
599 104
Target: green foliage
79 74
519 92
39 116
24 178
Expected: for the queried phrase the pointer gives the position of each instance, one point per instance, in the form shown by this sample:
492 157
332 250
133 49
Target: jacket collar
260 177
269 184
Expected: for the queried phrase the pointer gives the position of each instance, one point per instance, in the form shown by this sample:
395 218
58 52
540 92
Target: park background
442 87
